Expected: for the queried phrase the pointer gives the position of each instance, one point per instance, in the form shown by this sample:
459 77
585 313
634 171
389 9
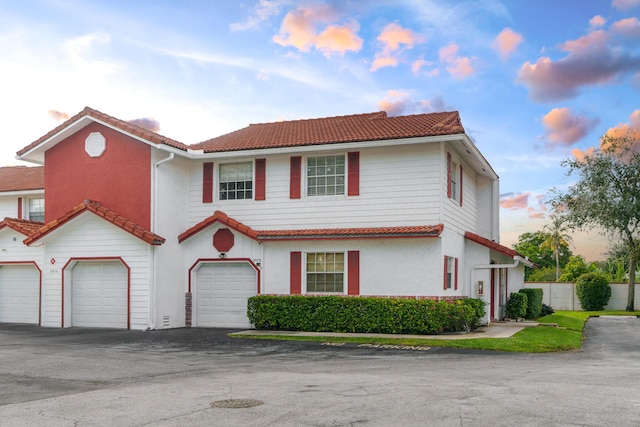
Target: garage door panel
99 295
19 294
221 294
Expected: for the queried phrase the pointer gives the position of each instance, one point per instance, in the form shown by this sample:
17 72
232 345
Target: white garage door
221 295
99 295
19 294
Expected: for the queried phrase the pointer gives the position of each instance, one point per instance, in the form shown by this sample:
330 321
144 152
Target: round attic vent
95 144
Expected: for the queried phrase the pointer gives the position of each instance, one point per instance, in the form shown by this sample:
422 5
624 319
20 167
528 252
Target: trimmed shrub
534 302
516 305
363 314
593 291
546 310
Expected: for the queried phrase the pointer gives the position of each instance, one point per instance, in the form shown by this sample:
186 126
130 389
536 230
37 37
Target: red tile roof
490 244
21 178
333 130
23 226
117 123
103 212
320 233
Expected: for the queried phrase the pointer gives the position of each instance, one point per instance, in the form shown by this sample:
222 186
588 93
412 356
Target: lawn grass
541 339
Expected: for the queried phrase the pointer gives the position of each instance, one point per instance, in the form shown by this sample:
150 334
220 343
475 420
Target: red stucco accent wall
120 178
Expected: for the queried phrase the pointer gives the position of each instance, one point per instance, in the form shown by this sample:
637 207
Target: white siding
8 207
387 266
89 236
393 180
460 218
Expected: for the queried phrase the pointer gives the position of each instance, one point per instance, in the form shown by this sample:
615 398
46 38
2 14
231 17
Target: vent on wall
166 321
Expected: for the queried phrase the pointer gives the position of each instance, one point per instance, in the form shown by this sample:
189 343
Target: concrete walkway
494 330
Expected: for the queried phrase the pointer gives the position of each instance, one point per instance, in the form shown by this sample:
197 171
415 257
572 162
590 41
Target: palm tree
557 238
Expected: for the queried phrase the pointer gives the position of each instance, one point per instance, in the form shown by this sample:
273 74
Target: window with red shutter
295 177
353 275
353 166
207 182
261 179
296 273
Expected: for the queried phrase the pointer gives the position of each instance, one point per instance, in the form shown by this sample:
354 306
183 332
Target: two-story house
141 231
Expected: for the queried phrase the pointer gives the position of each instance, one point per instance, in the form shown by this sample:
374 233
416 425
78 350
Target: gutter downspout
152 285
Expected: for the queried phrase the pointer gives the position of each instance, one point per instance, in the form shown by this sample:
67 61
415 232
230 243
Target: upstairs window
236 181
454 180
325 272
36 210
325 175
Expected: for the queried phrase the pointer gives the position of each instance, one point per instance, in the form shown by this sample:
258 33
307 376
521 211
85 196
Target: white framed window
36 209
235 181
325 272
326 175
450 273
455 182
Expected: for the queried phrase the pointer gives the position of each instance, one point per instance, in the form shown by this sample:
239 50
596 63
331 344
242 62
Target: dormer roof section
22 226
104 213
34 152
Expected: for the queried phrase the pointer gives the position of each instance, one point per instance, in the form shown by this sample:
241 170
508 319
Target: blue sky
534 81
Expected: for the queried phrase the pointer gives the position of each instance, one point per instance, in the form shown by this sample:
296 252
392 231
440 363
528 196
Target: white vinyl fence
562 296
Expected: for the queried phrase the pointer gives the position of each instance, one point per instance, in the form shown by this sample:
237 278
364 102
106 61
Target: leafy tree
575 268
607 196
543 274
557 238
529 245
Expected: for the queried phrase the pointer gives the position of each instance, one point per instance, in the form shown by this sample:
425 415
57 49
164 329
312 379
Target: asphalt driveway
88 377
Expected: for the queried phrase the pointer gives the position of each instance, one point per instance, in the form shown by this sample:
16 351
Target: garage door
221 295
99 295
19 294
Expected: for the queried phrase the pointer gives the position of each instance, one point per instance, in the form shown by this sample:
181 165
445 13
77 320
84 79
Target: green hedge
593 291
534 302
363 314
516 305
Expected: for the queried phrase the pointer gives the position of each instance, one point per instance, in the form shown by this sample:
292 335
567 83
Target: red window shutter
19 207
448 174
207 182
353 275
353 167
455 282
296 273
296 169
446 264
461 174
261 179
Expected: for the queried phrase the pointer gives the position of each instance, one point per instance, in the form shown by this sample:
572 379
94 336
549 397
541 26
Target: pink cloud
298 29
592 59
565 128
398 102
458 66
515 201
629 130
625 4
392 39
58 115
147 123
580 155
381 62
597 21
629 28
507 42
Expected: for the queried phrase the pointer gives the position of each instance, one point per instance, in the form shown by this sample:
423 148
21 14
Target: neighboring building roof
21 178
320 233
23 226
103 212
491 244
333 130
112 121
